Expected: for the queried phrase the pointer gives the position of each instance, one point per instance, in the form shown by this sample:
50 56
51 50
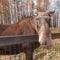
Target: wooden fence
17 39
14 45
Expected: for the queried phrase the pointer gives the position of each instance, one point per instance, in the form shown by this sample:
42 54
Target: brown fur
26 26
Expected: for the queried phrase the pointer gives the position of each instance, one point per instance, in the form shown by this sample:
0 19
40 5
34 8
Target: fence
11 47
14 45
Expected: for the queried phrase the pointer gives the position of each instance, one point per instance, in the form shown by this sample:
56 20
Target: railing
12 46
17 39
16 44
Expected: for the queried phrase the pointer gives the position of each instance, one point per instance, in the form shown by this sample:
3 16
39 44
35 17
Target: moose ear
49 13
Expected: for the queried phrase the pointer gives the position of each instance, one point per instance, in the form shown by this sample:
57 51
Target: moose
28 26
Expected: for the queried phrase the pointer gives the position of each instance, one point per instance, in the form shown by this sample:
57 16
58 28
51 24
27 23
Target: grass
48 54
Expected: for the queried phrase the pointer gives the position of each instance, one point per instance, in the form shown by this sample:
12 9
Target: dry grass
48 54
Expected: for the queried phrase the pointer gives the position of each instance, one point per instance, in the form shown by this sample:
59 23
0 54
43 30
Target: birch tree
1 12
1 8
42 5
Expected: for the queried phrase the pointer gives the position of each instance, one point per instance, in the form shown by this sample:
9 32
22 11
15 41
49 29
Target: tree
42 5
1 8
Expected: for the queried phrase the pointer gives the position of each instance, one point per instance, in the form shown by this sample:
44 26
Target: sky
55 4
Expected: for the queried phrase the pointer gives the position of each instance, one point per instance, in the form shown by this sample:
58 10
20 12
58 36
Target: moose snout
47 42
44 41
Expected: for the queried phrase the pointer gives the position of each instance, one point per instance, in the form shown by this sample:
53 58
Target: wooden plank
18 39
56 36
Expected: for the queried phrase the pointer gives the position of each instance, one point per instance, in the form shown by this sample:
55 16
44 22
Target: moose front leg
29 52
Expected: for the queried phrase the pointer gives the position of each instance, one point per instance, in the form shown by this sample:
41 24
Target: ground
53 53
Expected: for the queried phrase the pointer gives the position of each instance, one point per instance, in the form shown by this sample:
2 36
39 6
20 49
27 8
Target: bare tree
42 5
1 8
